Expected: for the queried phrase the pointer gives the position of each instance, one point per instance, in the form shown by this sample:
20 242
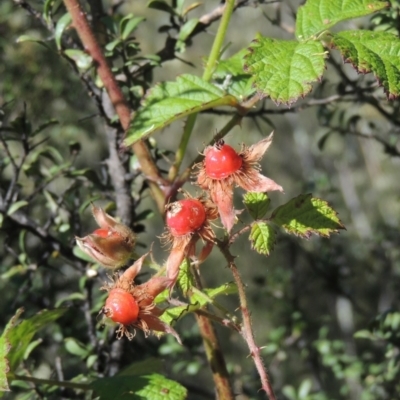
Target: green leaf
128 24
185 278
187 29
305 215
144 367
319 15
16 206
5 347
73 346
161 5
61 25
81 59
21 335
151 386
284 69
174 313
226 288
257 204
262 237
231 76
376 52
170 101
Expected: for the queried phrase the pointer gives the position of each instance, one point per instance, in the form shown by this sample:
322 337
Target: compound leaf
169 101
319 15
262 237
376 52
305 215
284 69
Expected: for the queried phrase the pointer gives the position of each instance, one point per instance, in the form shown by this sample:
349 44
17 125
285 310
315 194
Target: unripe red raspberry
121 307
221 161
185 216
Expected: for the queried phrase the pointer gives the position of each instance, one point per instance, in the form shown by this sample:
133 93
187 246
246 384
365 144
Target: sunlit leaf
257 204
262 237
284 69
169 101
316 16
305 215
376 52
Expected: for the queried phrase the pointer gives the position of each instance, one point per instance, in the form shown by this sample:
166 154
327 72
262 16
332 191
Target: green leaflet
305 215
256 203
231 76
137 387
20 336
317 16
262 237
169 101
284 69
376 52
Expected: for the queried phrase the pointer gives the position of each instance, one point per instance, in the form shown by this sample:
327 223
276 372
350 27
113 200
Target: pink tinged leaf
223 198
255 182
155 324
257 150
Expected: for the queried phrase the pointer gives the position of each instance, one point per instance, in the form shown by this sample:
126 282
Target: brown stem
156 183
213 351
247 331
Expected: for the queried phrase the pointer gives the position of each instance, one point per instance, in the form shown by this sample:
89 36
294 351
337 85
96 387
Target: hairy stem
92 47
210 66
247 330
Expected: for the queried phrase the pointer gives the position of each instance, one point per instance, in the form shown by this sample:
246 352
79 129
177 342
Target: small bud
112 245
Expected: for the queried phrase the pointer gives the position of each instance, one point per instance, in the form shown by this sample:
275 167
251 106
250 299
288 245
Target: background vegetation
325 311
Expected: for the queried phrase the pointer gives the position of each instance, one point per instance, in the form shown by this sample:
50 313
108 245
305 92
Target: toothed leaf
305 215
169 101
262 237
319 15
257 204
376 52
284 69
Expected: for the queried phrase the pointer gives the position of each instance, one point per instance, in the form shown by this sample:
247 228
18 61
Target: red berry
101 232
121 307
221 161
185 216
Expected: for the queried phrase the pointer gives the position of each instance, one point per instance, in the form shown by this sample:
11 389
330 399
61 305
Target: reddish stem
247 331
156 183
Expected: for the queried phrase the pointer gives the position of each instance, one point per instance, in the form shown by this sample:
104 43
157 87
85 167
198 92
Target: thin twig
247 331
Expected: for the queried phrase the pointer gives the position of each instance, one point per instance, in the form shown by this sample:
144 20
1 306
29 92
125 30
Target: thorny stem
92 47
213 351
247 331
209 69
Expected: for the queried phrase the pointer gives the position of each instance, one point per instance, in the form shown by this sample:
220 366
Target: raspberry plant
127 297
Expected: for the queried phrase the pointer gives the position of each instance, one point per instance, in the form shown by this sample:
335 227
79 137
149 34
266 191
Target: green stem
208 71
38 381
